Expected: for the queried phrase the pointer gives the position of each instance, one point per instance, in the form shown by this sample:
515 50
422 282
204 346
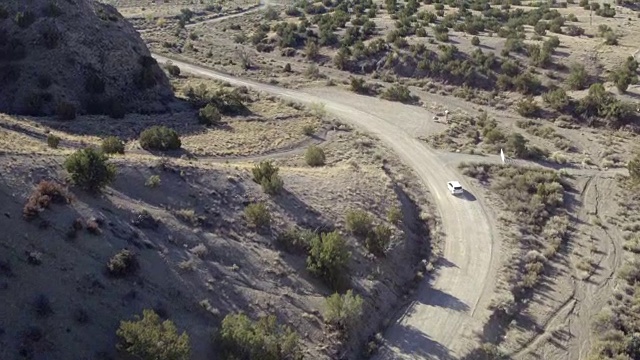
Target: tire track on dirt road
441 321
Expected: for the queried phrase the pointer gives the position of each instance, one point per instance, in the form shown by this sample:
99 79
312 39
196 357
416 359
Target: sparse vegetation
209 115
399 93
151 338
153 181
90 169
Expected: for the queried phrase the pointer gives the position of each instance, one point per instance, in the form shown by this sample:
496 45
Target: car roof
455 184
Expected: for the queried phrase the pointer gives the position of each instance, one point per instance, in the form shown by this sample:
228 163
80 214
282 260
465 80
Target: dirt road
439 323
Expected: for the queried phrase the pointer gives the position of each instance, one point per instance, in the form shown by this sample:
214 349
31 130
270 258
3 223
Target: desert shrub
51 38
308 130
378 240
398 93
25 19
160 138
242 338
527 83
89 169
258 215
328 258
266 174
541 28
287 67
112 145
517 145
528 107
51 9
486 351
624 76
343 311
610 38
153 181
123 263
634 168
573 30
296 241
358 222
314 156
53 141
173 70
312 50
44 194
557 99
209 115
578 77
475 41
65 111
394 215
151 338
359 85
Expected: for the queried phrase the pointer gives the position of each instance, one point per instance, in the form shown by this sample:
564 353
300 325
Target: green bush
123 263
265 339
150 338
53 141
328 258
623 77
557 99
358 222
266 174
209 115
475 41
394 215
314 156
398 93
112 145
258 215
528 107
359 86
344 311
173 70
578 77
160 138
89 169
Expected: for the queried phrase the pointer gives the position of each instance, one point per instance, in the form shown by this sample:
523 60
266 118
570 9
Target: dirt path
441 321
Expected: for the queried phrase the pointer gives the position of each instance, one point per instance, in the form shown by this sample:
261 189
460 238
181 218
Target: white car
454 187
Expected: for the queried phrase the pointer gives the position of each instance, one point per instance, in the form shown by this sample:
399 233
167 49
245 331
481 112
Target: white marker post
446 116
502 155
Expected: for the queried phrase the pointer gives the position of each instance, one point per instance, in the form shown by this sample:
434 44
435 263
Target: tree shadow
439 298
301 213
412 342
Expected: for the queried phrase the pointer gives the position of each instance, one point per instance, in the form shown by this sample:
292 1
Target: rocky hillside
75 56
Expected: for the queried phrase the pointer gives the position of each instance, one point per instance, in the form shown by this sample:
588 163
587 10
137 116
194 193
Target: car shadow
467 196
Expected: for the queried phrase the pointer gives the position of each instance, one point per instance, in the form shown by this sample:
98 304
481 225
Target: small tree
112 145
328 258
160 138
209 115
314 156
517 144
343 311
150 338
89 169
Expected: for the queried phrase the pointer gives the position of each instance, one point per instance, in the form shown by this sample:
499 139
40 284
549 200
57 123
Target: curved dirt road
440 322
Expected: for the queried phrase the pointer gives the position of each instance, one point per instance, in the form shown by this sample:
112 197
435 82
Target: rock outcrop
61 56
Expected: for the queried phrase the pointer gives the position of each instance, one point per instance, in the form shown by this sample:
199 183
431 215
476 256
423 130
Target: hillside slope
60 55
